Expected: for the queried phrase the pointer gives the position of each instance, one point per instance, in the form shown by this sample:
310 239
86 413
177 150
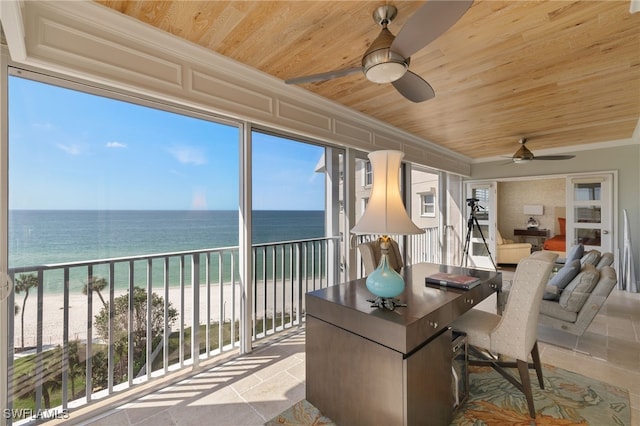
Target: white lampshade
533 209
385 213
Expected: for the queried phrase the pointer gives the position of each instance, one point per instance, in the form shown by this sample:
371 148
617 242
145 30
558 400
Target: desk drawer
468 300
430 325
489 288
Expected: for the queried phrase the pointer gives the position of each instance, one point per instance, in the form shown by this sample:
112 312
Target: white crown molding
13 28
88 41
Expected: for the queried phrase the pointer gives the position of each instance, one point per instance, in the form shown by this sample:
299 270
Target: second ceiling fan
387 59
523 155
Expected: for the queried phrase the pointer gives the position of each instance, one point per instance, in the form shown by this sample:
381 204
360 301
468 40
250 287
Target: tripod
471 222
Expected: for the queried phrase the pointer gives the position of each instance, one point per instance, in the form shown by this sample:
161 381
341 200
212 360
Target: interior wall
625 159
513 195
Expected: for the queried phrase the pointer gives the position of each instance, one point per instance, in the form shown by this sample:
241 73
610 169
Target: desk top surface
346 305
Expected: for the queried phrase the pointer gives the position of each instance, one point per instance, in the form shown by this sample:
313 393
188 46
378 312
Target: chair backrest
546 255
517 331
370 253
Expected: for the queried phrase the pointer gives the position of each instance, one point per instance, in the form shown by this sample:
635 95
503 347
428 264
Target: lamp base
384 282
389 303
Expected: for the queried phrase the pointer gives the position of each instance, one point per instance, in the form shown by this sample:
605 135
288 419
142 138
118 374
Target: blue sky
71 150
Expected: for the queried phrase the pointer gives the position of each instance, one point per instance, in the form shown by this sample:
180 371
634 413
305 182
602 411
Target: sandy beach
53 312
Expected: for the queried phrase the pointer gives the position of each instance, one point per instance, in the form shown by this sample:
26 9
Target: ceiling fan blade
323 76
432 19
553 157
414 88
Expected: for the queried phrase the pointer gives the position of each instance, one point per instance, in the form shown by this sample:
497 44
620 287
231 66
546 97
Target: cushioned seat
514 334
510 252
576 293
581 300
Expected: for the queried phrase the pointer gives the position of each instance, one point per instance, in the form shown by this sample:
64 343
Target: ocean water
38 237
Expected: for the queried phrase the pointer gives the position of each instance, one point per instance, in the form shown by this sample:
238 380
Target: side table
536 234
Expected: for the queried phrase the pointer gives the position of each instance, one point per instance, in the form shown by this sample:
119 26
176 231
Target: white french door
590 212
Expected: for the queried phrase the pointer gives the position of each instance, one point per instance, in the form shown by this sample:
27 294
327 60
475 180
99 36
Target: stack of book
444 279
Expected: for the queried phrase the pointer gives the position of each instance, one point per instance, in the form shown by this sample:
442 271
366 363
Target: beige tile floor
253 388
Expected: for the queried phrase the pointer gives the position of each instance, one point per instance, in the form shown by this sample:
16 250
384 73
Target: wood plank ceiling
561 73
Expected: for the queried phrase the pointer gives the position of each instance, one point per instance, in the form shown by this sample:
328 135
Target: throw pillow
576 252
591 257
562 224
577 292
605 260
561 279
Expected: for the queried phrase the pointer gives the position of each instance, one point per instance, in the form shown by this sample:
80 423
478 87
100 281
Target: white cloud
70 149
44 126
188 155
115 145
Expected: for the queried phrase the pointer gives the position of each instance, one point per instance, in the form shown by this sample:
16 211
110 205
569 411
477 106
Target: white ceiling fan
523 155
387 58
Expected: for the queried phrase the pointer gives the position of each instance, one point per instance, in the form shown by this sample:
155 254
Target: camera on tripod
471 202
471 223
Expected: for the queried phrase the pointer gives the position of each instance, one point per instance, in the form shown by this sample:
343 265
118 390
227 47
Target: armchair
509 251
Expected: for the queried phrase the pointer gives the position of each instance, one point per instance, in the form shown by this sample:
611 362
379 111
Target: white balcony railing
63 358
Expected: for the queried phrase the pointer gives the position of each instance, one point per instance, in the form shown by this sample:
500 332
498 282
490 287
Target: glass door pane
589 212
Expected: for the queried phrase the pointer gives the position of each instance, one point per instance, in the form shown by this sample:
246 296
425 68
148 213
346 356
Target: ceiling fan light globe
379 63
522 160
386 72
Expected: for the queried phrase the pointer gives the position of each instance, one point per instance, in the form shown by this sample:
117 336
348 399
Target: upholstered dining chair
370 253
496 340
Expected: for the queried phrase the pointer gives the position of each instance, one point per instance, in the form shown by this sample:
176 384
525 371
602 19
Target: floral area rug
568 399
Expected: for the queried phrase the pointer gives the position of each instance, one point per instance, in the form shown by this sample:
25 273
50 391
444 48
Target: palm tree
97 284
24 283
76 367
49 377
51 374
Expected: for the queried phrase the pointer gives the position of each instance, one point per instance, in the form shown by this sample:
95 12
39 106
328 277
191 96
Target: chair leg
536 363
523 368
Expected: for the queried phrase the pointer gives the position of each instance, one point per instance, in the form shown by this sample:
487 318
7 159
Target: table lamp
385 215
532 210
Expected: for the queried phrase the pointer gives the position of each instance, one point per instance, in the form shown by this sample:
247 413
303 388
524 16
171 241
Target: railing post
149 350
65 339
195 309
166 333
130 324
182 318
39 355
300 293
112 311
89 347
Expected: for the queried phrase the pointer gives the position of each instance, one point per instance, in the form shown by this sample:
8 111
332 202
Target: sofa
577 291
510 252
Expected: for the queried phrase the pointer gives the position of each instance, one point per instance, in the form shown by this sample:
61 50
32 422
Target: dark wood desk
368 366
